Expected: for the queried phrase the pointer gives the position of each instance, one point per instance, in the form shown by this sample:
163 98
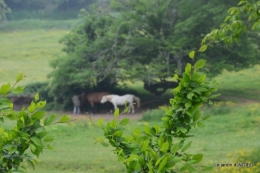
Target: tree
3 10
146 41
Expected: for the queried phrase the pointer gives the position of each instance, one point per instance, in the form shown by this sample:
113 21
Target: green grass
221 141
28 52
241 84
34 24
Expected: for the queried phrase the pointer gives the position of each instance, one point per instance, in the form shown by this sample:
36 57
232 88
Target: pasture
232 131
228 134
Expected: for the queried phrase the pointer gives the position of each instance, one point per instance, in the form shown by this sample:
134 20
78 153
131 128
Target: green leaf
38 115
36 141
202 78
200 124
188 104
197 157
36 97
32 147
162 164
188 68
32 107
214 96
147 130
48 139
176 77
145 144
164 147
116 113
190 95
187 146
200 64
196 116
30 162
174 148
191 54
100 122
64 119
206 117
19 77
49 120
104 144
118 133
186 77
124 121
17 90
203 48
5 89
41 104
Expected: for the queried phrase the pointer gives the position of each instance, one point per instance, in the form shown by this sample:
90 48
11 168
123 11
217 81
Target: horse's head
103 100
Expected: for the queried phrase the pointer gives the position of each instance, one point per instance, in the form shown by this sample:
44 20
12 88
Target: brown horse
94 97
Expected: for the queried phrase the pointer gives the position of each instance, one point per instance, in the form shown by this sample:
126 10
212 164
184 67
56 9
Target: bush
29 136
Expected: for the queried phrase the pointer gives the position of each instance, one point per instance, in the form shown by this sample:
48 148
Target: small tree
29 133
163 148
3 10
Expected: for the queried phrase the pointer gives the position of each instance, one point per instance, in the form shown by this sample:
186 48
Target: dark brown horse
94 97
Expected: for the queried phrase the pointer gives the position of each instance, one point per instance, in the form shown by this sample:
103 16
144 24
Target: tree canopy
146 40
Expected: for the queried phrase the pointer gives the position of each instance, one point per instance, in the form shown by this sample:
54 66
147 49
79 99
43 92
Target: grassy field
30 51
228 134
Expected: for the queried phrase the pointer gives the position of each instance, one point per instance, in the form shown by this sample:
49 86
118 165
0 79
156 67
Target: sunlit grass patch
28 52
241 85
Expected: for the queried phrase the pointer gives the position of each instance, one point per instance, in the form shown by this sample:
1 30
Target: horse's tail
137 99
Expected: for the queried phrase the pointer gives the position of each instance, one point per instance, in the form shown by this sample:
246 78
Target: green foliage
163 148
134 41
29 133
241 18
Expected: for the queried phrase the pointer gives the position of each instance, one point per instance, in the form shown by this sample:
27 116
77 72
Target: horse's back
96 96
121 100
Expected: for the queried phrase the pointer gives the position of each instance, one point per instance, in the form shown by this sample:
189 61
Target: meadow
231 133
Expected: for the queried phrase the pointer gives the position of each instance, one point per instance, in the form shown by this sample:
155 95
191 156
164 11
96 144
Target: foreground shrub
163 148
28 134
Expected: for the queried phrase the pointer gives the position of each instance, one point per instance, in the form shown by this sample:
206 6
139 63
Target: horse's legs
98 107
93 107
109 105
131 107
115 106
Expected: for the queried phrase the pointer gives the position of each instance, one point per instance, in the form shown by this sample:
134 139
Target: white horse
122 100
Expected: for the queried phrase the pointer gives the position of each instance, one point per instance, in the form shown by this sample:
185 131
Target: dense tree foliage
148 41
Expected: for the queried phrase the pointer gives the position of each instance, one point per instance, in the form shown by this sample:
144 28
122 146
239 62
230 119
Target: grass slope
28 52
